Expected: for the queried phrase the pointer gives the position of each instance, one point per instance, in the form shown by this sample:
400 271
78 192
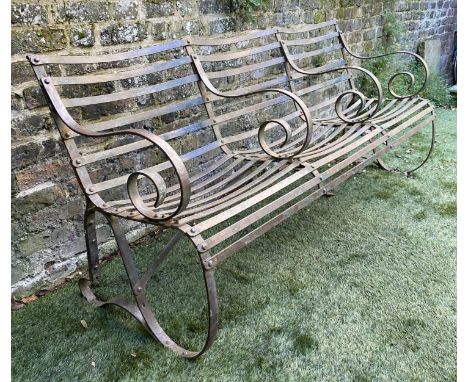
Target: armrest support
409 75
132 183
280 122
360 115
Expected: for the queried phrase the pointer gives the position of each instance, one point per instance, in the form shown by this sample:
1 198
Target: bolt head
46 81
35 60
78 161
96 267
139 289
193 230
91 189
210 263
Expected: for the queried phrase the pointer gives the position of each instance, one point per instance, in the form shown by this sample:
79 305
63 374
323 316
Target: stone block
125 10
37 40
34 97
82 36
215 6
123 33
21 71
222 25
25 124
155 8
30 14
83 11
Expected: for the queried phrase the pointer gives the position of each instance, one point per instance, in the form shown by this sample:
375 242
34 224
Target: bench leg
141 310
385 167
91 242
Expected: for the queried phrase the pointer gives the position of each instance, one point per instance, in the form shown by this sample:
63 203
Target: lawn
358 287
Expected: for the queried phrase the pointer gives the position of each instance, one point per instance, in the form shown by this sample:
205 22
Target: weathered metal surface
254 181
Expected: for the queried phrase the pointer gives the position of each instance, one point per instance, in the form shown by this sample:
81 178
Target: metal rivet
139 289
78 161
207 98
93 241
96 267
47 81
222 141
36 60
215 121
203 246
67 135
91 189
193 230
195 57
210 263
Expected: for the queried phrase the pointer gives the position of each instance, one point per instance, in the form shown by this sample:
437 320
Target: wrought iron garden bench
219 139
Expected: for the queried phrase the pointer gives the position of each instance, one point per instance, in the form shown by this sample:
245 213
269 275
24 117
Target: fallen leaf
27 300
84 324
133 354
93 364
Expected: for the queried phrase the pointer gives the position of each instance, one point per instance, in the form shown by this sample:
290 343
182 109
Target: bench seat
218 139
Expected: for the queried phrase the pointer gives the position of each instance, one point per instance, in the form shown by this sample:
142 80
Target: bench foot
381 163
140 309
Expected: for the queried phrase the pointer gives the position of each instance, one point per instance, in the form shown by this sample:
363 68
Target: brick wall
47 209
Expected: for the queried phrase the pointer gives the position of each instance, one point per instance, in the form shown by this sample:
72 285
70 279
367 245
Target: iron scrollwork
305 115
363 113
392 79
132 182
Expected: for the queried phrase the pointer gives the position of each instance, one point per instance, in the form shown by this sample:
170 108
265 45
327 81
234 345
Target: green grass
357 287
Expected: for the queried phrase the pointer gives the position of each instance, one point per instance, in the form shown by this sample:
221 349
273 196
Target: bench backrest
157 88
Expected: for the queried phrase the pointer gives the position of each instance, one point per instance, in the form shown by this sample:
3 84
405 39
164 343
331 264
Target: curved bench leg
385 167
141 310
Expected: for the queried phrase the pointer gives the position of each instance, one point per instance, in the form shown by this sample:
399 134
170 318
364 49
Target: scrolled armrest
132 183
280 122
360 115
409 75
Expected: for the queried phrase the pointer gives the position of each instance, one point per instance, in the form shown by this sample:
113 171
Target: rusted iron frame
339 104
381 163
141 309
267 124
215 259
409 75
61 112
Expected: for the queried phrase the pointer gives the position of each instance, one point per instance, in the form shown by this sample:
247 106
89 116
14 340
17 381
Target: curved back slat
158 88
